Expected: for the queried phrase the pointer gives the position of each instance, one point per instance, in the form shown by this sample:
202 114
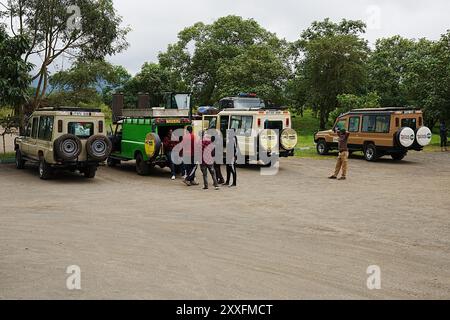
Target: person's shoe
342 178
205 188
194 183
217 188
332 177
231 185
188 183
173 178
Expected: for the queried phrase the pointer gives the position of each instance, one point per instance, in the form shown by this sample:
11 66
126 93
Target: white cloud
155 24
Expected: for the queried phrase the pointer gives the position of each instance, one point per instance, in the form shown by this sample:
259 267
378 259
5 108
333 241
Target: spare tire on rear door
67 147
288 139
405 137
423 136
98 147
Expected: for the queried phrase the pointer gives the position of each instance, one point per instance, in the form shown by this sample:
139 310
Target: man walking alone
342 161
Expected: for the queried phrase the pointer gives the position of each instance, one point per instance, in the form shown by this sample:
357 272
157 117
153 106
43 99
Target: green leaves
226 57
14 78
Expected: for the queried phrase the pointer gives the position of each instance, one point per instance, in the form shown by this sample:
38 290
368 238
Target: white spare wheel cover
423 136
406 137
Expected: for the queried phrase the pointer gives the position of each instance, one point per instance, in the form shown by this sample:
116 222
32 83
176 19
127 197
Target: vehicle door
26 138
243 126
44 139
32 140
354 129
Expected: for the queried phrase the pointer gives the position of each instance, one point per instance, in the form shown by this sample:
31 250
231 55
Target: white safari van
255 126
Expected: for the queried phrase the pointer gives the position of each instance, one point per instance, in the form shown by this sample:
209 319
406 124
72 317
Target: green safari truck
138 135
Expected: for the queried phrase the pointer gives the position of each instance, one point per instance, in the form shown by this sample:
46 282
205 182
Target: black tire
45 171
20 163
98 147
398 156
322 147
142 168
90 172
67 147
370 152
112 162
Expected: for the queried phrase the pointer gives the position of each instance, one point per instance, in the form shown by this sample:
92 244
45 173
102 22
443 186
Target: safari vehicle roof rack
69 109
381 110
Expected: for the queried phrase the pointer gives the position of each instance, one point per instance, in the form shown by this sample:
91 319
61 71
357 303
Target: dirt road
295 235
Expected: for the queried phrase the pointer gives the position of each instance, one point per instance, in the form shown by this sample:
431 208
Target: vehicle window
353 124
377 124
382 124
34 131
119 129
82 130
212 123
247 124
275 125
412 123
341 124
46 128
236 122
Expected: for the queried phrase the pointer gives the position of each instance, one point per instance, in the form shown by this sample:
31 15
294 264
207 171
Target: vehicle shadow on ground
58 175
384 159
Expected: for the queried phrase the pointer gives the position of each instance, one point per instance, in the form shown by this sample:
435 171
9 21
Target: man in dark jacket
208 162
342 161
443 133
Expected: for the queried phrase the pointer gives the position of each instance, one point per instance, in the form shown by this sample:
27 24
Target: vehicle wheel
142 168
370 153
322 147
113 162
398 156
98 147
90 172
67 147
45 171
20 163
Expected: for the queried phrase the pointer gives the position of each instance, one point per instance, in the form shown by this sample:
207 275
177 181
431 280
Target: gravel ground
295 235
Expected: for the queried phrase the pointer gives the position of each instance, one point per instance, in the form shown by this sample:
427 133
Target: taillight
420 121
259 122
100 127
60 126
287 122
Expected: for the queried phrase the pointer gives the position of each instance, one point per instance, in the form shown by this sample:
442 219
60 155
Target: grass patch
7 156
5 111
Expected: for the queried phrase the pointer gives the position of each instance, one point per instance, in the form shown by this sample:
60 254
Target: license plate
80 114
172 121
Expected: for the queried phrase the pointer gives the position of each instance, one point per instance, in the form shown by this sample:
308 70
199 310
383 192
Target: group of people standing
190 164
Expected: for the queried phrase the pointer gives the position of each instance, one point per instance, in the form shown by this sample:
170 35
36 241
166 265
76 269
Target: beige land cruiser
64 138
378 132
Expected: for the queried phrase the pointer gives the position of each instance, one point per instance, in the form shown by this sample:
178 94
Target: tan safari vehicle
378 132
64 138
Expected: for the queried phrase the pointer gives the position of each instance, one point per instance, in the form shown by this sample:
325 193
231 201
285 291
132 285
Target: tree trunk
323 119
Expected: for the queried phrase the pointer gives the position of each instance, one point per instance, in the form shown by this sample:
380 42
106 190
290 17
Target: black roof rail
69 109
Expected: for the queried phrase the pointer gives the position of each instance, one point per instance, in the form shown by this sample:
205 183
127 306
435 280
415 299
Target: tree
154 80
226 57
78 28
388 68
331 61
14 78
347 102
85 80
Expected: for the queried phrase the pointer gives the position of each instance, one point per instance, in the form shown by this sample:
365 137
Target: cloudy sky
155 23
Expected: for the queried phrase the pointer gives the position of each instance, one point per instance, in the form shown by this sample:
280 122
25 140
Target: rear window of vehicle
412 123
82 130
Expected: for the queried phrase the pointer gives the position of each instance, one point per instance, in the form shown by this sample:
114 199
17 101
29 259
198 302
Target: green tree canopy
331 60
226 57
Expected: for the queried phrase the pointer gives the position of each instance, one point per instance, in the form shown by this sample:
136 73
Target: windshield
246 103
